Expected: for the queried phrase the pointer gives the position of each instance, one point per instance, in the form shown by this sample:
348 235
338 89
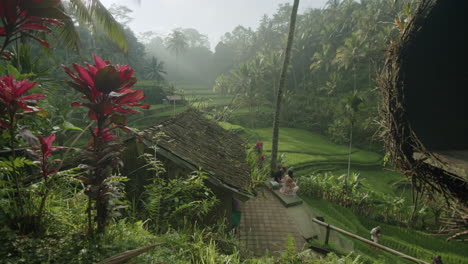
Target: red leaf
52 172
34 26
32 97
84 74
105 135
99 62
136 96
22 87
42 42
46 144
11 92
92 115
145 106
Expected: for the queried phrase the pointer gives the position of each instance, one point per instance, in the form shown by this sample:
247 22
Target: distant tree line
337 53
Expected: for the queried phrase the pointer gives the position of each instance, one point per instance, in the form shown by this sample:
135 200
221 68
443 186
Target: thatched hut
190 142
424 109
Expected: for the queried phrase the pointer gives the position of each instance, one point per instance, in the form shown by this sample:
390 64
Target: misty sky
210 17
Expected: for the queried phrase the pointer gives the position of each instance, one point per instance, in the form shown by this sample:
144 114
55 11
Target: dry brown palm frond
127 255
401 142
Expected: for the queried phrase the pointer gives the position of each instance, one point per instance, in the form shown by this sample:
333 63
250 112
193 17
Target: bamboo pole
389 250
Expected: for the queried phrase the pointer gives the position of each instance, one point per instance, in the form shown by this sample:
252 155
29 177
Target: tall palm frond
67 33
95 14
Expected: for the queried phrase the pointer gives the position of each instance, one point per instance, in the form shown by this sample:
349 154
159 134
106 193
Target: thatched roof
423 86
202 143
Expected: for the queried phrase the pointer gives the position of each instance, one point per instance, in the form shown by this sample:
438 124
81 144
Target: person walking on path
437 260
375 234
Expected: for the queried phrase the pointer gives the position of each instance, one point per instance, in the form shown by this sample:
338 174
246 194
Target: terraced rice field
308 151
405 240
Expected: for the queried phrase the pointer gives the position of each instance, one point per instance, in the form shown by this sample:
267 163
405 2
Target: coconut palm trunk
349 153
284 70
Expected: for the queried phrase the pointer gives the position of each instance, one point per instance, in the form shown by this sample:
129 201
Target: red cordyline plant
13 99
41 150
258 147
13 103
261 159
107 93
22 17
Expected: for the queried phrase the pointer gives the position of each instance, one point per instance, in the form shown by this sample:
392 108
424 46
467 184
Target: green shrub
353 194
170 202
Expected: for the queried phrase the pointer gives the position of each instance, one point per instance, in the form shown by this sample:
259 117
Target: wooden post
399 254
327 236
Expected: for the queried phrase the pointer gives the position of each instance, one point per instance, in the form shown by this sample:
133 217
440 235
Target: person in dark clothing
437 260
278 175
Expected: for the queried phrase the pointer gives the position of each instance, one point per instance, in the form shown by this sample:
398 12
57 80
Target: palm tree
287 55
177 42
272 70
93 14
352 104
155 70
349 54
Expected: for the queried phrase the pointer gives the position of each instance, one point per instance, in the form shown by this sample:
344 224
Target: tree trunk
284 70
349 154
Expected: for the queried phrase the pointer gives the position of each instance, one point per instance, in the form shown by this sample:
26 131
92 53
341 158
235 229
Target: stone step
287 200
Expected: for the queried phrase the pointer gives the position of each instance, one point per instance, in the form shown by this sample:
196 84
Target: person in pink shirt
289 187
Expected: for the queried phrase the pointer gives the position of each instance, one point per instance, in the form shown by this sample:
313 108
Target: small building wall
224 208
136 169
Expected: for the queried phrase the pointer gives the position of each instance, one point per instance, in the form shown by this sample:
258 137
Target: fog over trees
213 131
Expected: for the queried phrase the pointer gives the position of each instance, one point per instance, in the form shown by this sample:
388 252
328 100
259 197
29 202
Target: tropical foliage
61 195
337 53
108 91
366 202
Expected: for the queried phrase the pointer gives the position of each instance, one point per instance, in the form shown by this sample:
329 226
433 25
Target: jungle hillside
121 145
